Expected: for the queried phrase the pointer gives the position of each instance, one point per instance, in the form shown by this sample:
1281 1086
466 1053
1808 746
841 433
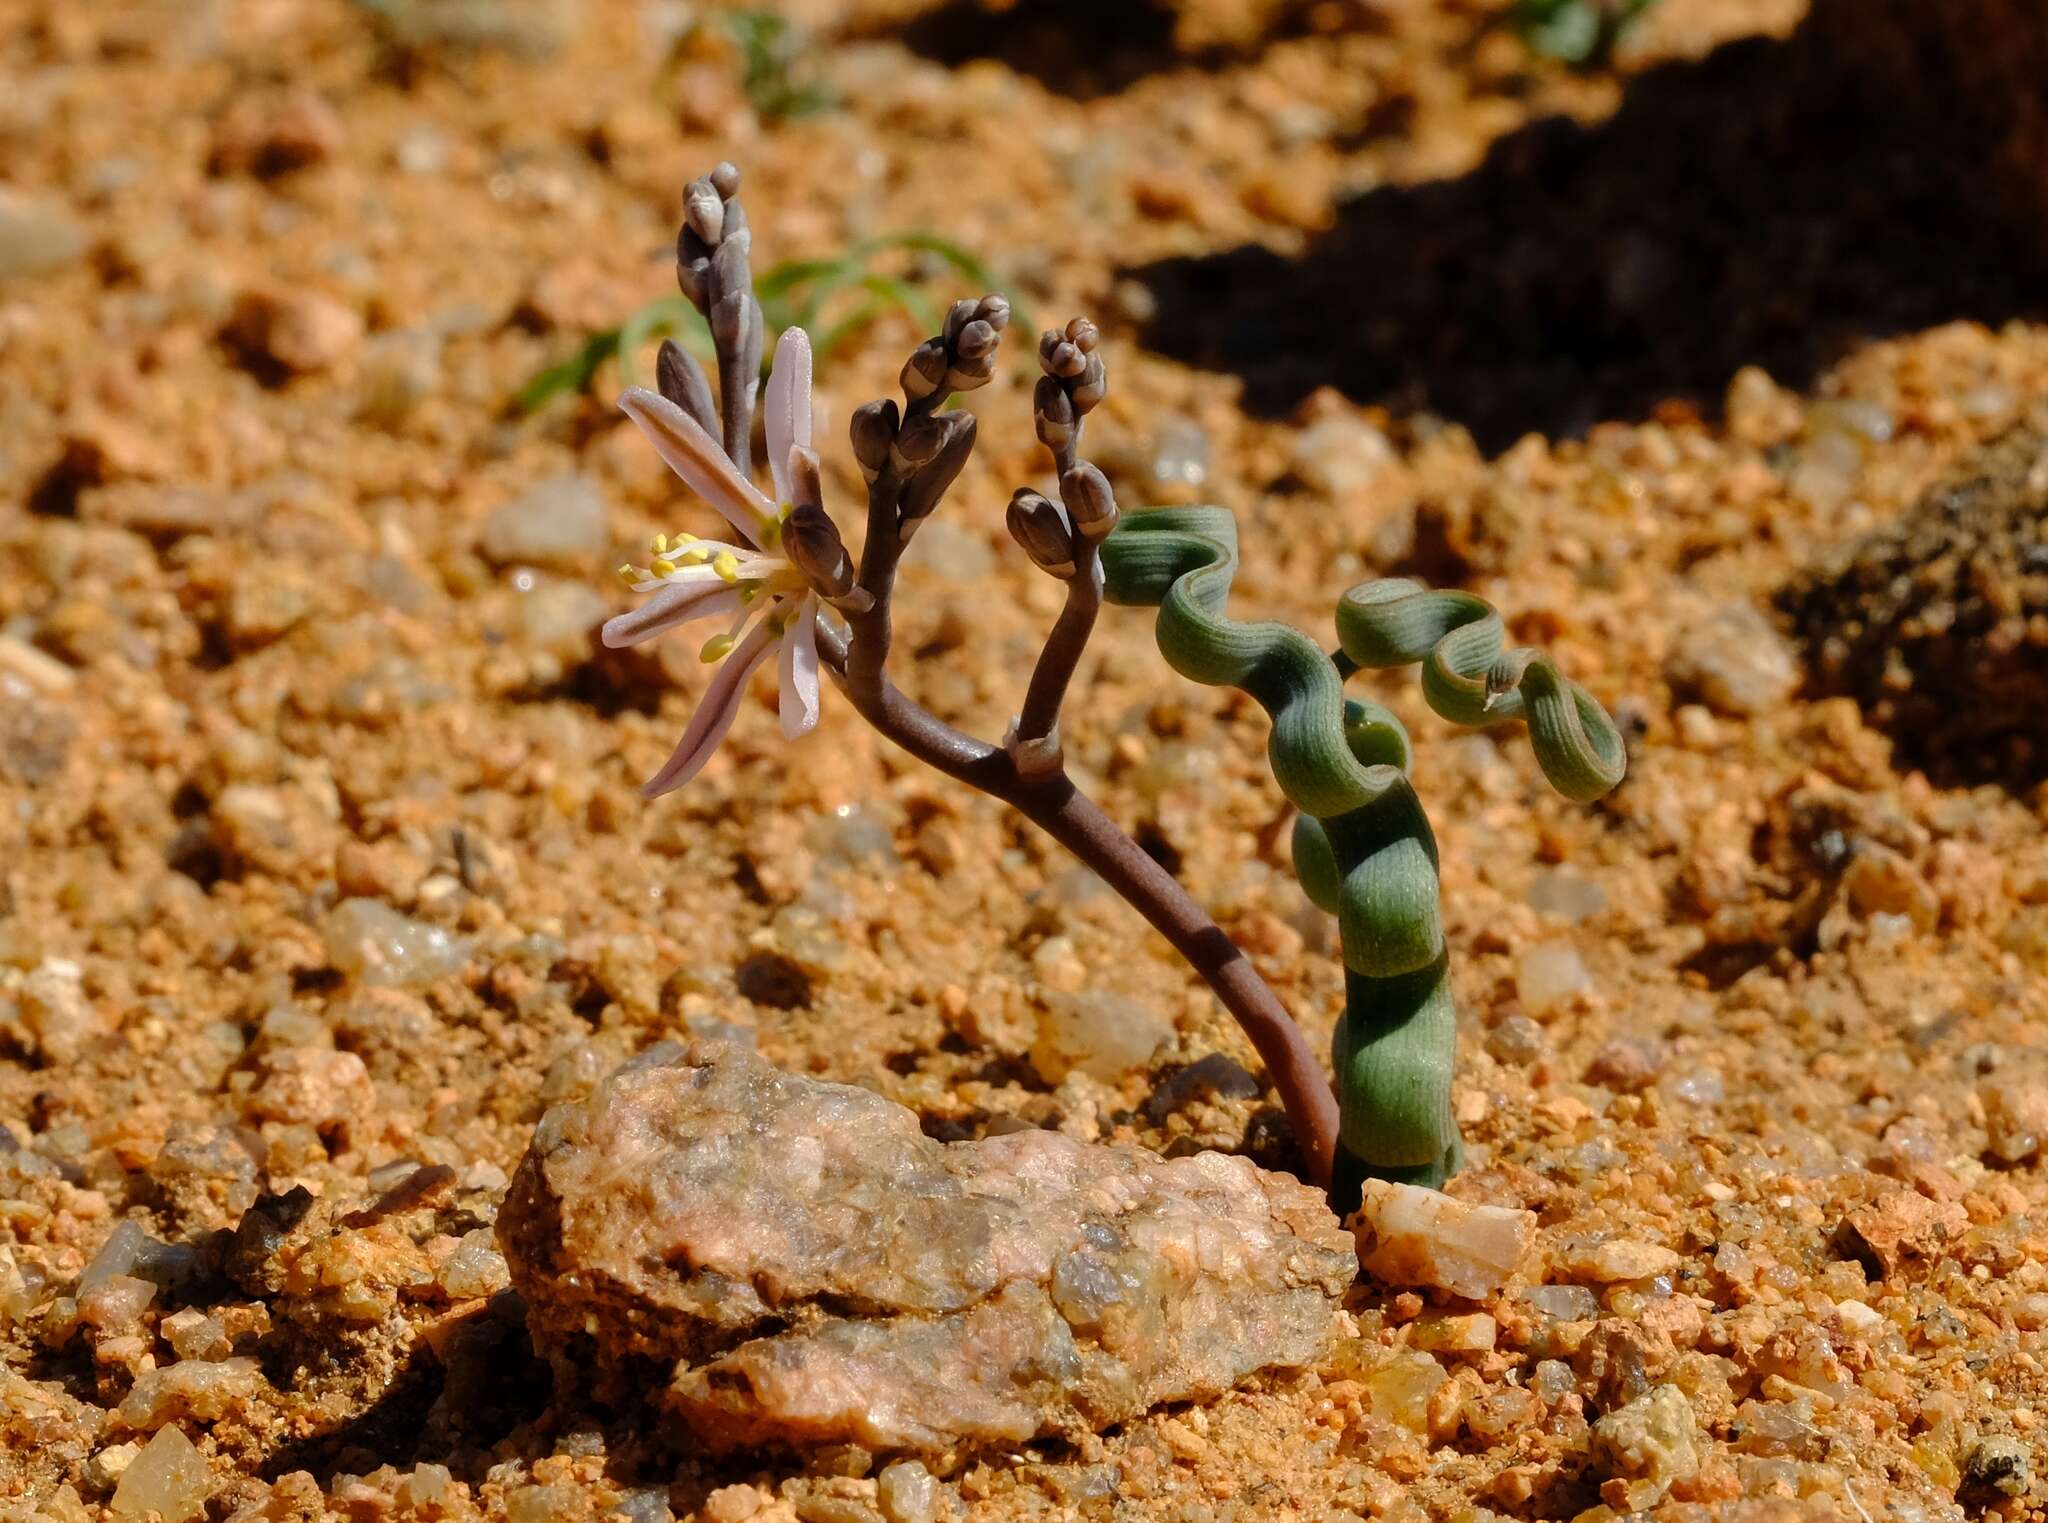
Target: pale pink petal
716 711
695 456
799 699
786 414
673 604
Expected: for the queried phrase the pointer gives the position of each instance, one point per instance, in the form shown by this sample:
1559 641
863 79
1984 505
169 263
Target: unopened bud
994 310
1053 411
969 375
925 371
1089 501
704 211
725 179
975 340
1037 524
917 442
872 430
681 379
1083 334
958 316
1092 386
921 493
812 542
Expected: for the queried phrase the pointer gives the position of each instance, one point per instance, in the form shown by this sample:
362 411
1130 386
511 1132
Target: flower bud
958 316
1083 334
725 179
1091 387
994 310
928 483
812 542
917 441
704 211
978 338
925 371
872 429
1089 501
681 380
1037 524
1053 411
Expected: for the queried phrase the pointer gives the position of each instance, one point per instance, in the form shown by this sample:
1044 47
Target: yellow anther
727 566
686 539
696 555
661 544
749 593
628 574
664 568
716 647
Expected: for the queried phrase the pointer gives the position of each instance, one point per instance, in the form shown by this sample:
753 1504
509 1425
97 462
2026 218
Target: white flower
773 607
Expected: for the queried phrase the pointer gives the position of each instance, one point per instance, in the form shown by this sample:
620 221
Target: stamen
629 573
716 648
727 566
664 568
696 555
661 544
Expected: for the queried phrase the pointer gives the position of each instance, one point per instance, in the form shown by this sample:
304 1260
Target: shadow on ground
1766 205
1082 49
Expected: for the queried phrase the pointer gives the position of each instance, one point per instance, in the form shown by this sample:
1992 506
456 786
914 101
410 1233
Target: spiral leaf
1363 848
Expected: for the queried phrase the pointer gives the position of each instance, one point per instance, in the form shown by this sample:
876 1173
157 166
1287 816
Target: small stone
1629 1065
1340 457
427 1486
371 941
1411 1236
317 1087
477 1269
1400 1390
1735 662
907 1492
1566 895
106 1467
1901 1225
1613 1261
300 332
1825 471
559 522
1517 1039
192 1388
169 1478
61 1021
1097 1033
735 1503
2015 1118
815 1270
36 236
1997 1465
541 1504
273 134
192 1334
1549 976
1647 1446
1217 1074
1451 1333
1860 1319
1879 881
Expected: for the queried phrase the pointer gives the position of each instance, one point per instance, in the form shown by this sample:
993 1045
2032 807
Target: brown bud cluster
962 357
872 430
712 253
1074 382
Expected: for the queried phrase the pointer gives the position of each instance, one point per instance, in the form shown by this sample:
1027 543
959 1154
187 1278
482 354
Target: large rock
782 1262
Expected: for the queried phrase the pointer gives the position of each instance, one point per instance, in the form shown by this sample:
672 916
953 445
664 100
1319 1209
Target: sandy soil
1631 354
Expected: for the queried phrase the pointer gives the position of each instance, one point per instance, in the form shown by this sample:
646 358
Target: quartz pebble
2015 1119
1099 1034
300 332
169 1478
559 522
907 1492
1646 1446
369 940
1549 976
1411 1236
1735 662
1340 457
191 1388
816 1270
1610 1263
36 236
